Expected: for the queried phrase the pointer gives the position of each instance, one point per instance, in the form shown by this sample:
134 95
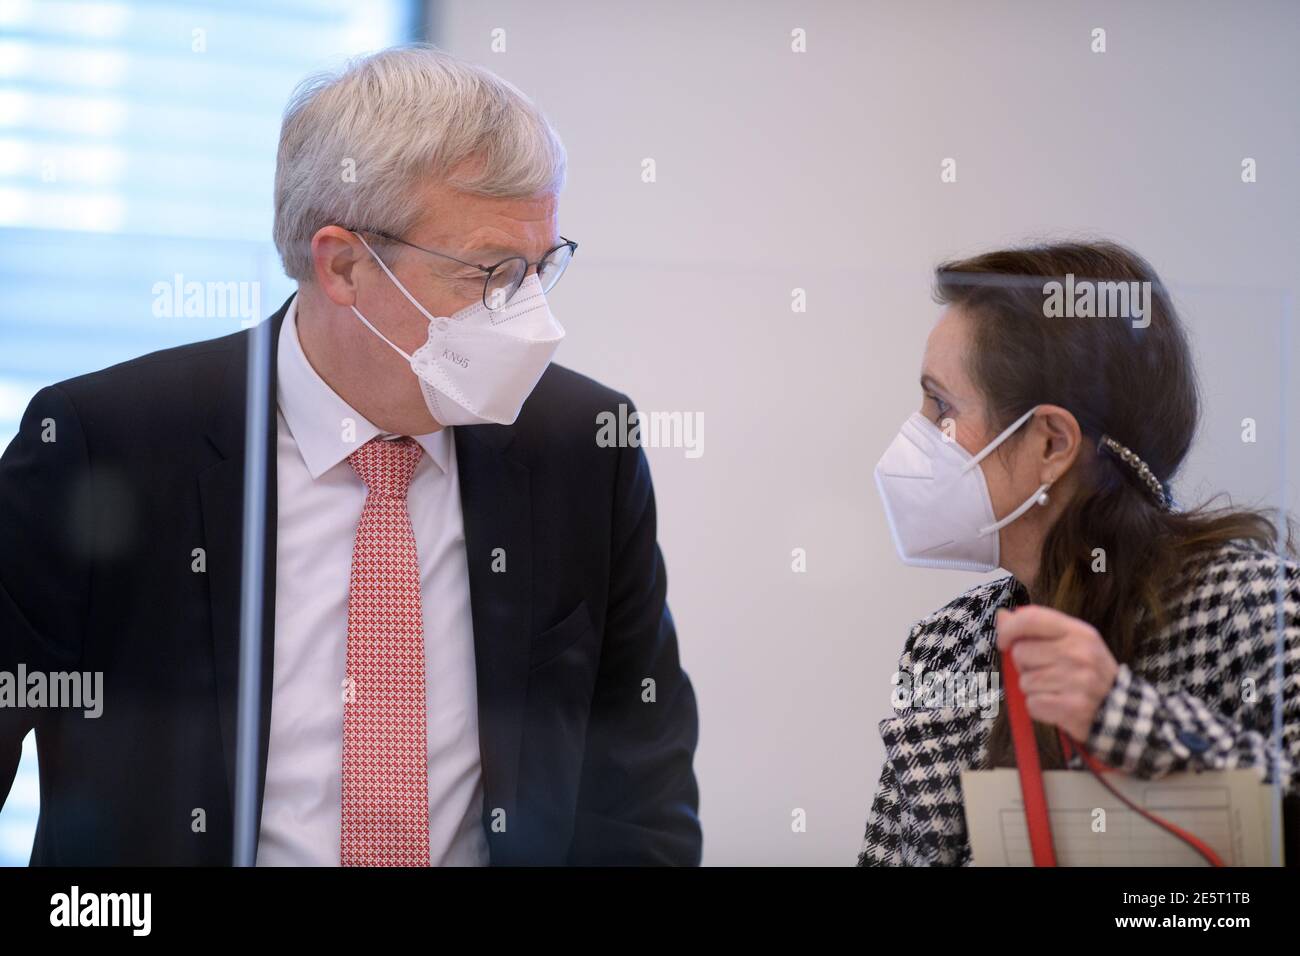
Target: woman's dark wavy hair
1137 385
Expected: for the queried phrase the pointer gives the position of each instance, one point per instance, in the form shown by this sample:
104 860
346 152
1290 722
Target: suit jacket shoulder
158 398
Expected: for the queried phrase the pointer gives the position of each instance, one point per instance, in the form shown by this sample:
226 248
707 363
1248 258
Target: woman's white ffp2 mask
478 366
937 500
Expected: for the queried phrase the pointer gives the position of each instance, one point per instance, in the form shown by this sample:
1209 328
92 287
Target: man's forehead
481 220
484 231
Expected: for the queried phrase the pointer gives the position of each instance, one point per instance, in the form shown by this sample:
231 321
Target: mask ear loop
442 323
1039 497
1006 433
381 335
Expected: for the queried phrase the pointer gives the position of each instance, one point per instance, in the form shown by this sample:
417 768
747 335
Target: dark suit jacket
98 531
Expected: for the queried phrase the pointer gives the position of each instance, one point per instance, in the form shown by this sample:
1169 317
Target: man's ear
336 253
1058 436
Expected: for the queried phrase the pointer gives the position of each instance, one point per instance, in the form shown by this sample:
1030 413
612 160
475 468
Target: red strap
1031 777
1031 774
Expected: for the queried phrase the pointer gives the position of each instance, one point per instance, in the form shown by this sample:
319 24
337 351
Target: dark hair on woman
1130 379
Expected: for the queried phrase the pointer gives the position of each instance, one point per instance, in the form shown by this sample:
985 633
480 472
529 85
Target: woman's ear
1058 439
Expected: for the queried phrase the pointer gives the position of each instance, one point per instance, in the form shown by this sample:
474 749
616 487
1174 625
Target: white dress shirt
319 502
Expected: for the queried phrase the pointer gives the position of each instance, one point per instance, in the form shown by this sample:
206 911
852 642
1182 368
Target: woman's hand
1066 669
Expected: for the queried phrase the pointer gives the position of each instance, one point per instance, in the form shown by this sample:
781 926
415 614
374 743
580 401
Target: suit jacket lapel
496 506
221 492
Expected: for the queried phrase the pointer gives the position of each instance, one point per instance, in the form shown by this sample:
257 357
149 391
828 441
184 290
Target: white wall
820 170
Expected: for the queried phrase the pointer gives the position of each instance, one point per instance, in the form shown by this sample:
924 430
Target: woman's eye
939 403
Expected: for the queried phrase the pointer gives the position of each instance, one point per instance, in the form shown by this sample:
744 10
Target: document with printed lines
1230 811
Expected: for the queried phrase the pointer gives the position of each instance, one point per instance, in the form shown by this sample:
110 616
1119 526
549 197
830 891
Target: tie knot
386 466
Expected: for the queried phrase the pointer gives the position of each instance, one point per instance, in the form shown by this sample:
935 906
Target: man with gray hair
468 657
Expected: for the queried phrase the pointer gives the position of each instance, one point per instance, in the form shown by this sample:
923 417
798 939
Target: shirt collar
316 414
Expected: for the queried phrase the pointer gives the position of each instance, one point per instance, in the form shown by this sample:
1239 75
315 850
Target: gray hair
354 146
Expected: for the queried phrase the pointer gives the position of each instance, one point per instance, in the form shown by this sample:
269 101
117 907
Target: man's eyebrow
487 255
491 254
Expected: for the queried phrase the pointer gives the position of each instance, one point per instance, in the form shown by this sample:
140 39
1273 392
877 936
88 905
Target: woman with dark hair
1045 445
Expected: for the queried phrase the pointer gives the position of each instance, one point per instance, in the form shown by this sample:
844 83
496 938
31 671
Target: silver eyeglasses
502 280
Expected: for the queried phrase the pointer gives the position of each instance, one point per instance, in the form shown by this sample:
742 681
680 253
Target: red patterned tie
385 819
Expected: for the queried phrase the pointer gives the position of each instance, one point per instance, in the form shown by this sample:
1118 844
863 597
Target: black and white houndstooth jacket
1180 707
